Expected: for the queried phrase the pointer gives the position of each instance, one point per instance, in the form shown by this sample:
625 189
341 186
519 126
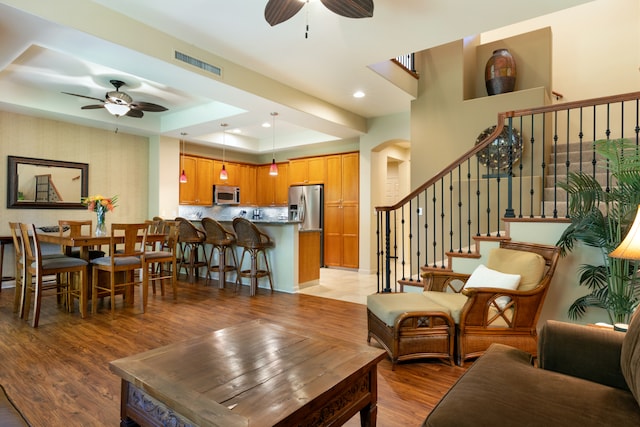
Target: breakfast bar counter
283 258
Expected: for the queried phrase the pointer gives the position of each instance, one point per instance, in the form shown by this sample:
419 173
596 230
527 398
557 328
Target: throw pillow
483 277
529 265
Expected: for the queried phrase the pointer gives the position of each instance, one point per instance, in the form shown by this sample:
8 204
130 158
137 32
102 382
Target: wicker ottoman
409 326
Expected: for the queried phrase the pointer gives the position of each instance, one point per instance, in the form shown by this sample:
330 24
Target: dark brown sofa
588 376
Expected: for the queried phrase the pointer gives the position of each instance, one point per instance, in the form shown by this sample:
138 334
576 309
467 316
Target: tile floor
345 285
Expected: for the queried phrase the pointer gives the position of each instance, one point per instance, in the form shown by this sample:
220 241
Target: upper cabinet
272 190
233 173
247 183
198 190
311 170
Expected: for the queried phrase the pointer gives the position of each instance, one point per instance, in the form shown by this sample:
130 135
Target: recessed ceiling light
236 130
266 125
358 94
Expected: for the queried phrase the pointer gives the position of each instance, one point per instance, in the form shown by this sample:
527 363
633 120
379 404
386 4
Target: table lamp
629 249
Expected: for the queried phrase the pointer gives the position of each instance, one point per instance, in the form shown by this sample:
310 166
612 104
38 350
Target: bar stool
221 241
191 242
254 242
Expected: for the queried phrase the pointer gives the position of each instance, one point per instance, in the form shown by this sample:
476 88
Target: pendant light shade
223 173
183 176
273 170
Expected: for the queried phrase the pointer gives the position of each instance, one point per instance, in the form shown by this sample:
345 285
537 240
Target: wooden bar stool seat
192 253
253 242
222 242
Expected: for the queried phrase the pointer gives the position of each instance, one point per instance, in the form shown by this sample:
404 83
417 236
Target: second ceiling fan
278 11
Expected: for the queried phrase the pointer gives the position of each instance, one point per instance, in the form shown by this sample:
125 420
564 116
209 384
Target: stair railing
512 173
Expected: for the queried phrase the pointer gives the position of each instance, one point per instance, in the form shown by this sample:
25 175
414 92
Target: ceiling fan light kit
120 103
117 109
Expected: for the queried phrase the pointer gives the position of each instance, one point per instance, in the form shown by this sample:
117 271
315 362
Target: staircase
450 214
580 158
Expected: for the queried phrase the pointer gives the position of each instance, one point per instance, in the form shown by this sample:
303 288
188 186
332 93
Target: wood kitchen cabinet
341 211
198 190
247 184
272 190
310 170
233 173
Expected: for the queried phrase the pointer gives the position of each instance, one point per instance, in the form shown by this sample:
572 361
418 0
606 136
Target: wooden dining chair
74 229
36 267
160 263
127 244
16 234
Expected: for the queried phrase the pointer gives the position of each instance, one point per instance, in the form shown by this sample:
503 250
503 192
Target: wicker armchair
481 318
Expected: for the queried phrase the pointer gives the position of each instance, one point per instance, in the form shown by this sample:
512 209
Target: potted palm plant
601 217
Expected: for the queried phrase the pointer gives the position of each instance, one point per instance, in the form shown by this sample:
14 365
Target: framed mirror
46 184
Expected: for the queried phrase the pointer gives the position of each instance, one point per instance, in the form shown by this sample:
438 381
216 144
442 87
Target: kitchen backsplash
227 213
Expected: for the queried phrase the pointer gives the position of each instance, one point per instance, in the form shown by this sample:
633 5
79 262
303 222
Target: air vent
198 63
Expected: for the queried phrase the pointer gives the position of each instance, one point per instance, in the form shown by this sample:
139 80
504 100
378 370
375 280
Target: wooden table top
81 241
263 371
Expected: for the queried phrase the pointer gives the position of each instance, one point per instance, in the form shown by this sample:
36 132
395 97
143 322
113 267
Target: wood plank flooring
58 374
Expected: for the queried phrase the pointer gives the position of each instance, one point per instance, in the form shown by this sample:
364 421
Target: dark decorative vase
500 72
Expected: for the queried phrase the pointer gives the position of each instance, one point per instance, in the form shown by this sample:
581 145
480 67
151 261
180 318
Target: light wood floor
58 374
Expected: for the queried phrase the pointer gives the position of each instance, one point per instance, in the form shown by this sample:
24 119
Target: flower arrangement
100 205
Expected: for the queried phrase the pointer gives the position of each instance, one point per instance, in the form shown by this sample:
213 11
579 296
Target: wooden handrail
498 130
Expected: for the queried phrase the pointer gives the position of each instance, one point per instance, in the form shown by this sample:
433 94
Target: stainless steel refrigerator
306 205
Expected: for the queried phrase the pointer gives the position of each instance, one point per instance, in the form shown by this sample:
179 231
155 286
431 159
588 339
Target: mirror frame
12 183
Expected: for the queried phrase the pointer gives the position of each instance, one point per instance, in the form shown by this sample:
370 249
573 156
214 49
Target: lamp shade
630 246
273 169
117 109
223 174
183 177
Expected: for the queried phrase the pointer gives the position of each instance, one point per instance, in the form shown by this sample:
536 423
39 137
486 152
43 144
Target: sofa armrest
582 351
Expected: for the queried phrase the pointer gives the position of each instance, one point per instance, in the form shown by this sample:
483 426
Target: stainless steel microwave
226 195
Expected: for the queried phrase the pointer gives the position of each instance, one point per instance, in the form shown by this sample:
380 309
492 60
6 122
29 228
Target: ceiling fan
278 11
120 103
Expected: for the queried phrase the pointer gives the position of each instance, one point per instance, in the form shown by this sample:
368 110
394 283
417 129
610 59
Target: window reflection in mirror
39 183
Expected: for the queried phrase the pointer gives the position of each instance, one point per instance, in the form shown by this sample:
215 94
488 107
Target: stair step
560 207
574 157
550 180
574 147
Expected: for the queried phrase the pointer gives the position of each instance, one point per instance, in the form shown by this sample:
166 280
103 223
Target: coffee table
254 374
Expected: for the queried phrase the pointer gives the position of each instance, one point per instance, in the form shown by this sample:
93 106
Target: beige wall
118 165
453 107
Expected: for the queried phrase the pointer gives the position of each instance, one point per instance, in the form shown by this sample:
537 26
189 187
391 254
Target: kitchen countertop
272 221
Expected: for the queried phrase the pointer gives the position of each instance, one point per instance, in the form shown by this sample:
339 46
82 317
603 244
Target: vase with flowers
100 205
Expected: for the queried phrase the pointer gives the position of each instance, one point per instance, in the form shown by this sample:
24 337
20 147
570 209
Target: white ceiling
77 46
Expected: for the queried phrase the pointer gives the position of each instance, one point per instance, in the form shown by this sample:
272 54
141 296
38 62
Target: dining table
85 243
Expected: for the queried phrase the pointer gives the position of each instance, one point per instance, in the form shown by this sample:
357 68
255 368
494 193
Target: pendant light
223 173
183 176
273 170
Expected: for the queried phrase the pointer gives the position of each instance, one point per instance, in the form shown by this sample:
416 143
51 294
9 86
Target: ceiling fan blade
134 113
147 106
277 11
350 8
92 107
83 96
